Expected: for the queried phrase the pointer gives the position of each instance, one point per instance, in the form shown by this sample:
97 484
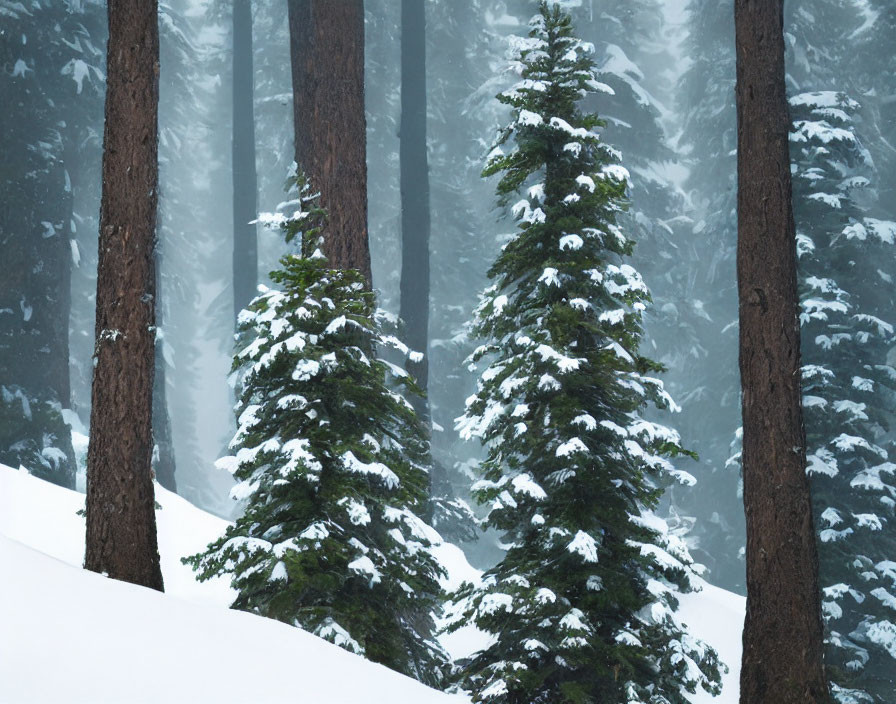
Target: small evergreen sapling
330 463
582 607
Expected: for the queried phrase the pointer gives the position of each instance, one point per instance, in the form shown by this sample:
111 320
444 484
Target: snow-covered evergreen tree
847 384
846 267
329 457
582 606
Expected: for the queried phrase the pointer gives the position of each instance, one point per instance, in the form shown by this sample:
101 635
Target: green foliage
848 387
582 607
330 460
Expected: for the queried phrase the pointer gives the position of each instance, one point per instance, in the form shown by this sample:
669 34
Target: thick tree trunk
245 181
327 51
414 169
783 639
121 524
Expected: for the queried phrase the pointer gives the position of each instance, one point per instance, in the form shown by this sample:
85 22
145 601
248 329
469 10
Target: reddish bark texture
783 638
327 50
121 525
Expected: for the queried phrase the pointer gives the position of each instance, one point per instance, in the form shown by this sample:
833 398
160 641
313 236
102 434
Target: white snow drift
68 635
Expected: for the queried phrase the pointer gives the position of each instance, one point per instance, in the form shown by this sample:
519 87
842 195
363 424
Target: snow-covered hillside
67 635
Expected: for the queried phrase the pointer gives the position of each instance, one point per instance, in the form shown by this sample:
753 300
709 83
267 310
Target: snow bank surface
68 635
716 616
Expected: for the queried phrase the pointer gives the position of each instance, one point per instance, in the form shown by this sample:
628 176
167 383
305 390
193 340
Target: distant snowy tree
466 44
330 462
52 87
873 63
582 607
711 407
847 385
186 235
634 56
846 246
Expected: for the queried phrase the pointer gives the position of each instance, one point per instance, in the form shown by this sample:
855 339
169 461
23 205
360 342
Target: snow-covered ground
68 635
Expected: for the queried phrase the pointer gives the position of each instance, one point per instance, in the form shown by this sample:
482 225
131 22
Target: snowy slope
67 635
717 617
44 516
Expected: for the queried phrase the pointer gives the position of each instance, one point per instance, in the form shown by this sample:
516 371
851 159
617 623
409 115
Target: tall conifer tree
414 167
582 606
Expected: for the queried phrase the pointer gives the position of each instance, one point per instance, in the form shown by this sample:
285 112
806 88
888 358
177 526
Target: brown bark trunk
783 639
121 524
327 51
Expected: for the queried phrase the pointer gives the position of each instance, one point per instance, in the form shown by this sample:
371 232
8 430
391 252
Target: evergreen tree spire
582 607
330 462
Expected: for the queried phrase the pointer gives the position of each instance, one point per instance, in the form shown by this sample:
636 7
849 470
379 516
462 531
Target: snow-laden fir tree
328 457
582 607
848 388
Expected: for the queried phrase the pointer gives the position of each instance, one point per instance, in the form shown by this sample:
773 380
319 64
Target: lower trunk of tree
782 638
121 525
327 52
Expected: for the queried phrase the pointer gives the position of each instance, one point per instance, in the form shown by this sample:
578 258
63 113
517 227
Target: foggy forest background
671 66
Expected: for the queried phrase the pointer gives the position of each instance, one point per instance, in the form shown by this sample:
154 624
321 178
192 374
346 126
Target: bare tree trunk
783 637
245 181
121 523
415 219
327 51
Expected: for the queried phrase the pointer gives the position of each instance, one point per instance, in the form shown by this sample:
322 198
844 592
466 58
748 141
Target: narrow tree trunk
327 51
245 182
121 525
783 639
414 168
